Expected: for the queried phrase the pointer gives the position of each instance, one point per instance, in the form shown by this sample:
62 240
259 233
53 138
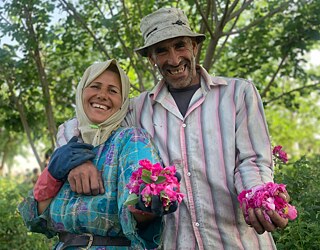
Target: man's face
175 59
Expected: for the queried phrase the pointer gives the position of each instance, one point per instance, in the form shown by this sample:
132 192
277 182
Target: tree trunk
35 51
24 121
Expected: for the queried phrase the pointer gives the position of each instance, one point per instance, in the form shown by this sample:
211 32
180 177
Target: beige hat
163 24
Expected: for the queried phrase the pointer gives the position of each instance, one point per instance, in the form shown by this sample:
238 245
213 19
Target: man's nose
174 58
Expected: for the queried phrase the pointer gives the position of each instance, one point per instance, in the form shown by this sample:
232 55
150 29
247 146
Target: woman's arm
136 145
42 205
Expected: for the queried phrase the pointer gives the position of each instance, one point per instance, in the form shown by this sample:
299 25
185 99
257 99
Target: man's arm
255 157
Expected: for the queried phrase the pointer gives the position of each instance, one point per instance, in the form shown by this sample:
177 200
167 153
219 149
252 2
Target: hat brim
143 51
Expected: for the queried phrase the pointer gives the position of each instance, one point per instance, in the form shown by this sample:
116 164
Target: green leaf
131 200
160 179
146 176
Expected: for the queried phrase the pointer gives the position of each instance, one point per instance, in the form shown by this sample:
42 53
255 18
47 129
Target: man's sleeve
254 164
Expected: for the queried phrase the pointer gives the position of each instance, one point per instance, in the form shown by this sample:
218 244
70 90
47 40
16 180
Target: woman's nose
103 95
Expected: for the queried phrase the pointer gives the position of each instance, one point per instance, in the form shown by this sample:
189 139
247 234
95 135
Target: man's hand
86 179
68 157
260 224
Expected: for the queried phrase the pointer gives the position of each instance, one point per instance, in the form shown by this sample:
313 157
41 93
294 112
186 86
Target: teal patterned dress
105 214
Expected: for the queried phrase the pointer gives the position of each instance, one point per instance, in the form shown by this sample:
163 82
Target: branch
234 4
215 12
5 19
291 91
224 16
238 12
264 93
204 19
203 28
254 23
69 7
22 114
217 55
36 50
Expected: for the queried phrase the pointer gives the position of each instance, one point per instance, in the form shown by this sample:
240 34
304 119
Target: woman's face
102 97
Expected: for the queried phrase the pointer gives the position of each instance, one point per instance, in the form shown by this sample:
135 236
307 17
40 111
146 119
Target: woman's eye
113 91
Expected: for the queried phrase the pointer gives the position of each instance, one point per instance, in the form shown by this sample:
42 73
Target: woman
102 221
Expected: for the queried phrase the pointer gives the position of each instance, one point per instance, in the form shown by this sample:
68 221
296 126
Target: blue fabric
104 214
68 157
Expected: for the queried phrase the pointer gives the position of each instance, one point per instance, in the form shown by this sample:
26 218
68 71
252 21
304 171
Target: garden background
47 44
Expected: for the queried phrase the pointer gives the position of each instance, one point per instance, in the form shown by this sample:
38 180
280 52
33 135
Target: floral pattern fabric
103 214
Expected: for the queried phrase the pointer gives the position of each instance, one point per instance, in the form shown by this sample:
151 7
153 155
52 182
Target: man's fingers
86 179
266 225
94 184
72 183
285 196
79 186
277 220
101 186
254 221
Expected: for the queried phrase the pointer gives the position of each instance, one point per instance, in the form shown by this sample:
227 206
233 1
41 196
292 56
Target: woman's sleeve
28 209
138 146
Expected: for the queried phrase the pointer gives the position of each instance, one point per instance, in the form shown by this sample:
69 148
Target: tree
263 41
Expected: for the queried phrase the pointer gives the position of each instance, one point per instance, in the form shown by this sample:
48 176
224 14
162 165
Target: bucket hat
163 24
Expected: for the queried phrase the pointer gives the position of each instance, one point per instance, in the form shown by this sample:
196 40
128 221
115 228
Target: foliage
13 233
54 41
302 180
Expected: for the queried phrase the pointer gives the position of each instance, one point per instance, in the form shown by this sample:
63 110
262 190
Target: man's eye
160 51
180 45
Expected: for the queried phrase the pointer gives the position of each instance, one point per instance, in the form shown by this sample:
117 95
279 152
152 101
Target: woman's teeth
99 106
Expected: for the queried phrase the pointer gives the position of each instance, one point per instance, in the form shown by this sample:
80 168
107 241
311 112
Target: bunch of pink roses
157 181
278 153
267 197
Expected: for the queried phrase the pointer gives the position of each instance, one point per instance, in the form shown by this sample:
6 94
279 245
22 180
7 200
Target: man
212 129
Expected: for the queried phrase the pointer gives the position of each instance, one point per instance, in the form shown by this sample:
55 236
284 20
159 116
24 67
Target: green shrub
13 233
303 184
301 177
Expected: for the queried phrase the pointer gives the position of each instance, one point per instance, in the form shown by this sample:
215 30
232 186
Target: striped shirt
221 146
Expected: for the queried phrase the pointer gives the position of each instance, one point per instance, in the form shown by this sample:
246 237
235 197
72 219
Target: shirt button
197 224
184 125
189 174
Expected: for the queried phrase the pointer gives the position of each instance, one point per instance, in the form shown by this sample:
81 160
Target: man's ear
195 47
152 62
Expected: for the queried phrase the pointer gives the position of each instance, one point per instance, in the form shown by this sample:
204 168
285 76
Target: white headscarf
97 134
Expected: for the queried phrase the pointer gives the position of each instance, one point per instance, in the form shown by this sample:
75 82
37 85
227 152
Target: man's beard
180 83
